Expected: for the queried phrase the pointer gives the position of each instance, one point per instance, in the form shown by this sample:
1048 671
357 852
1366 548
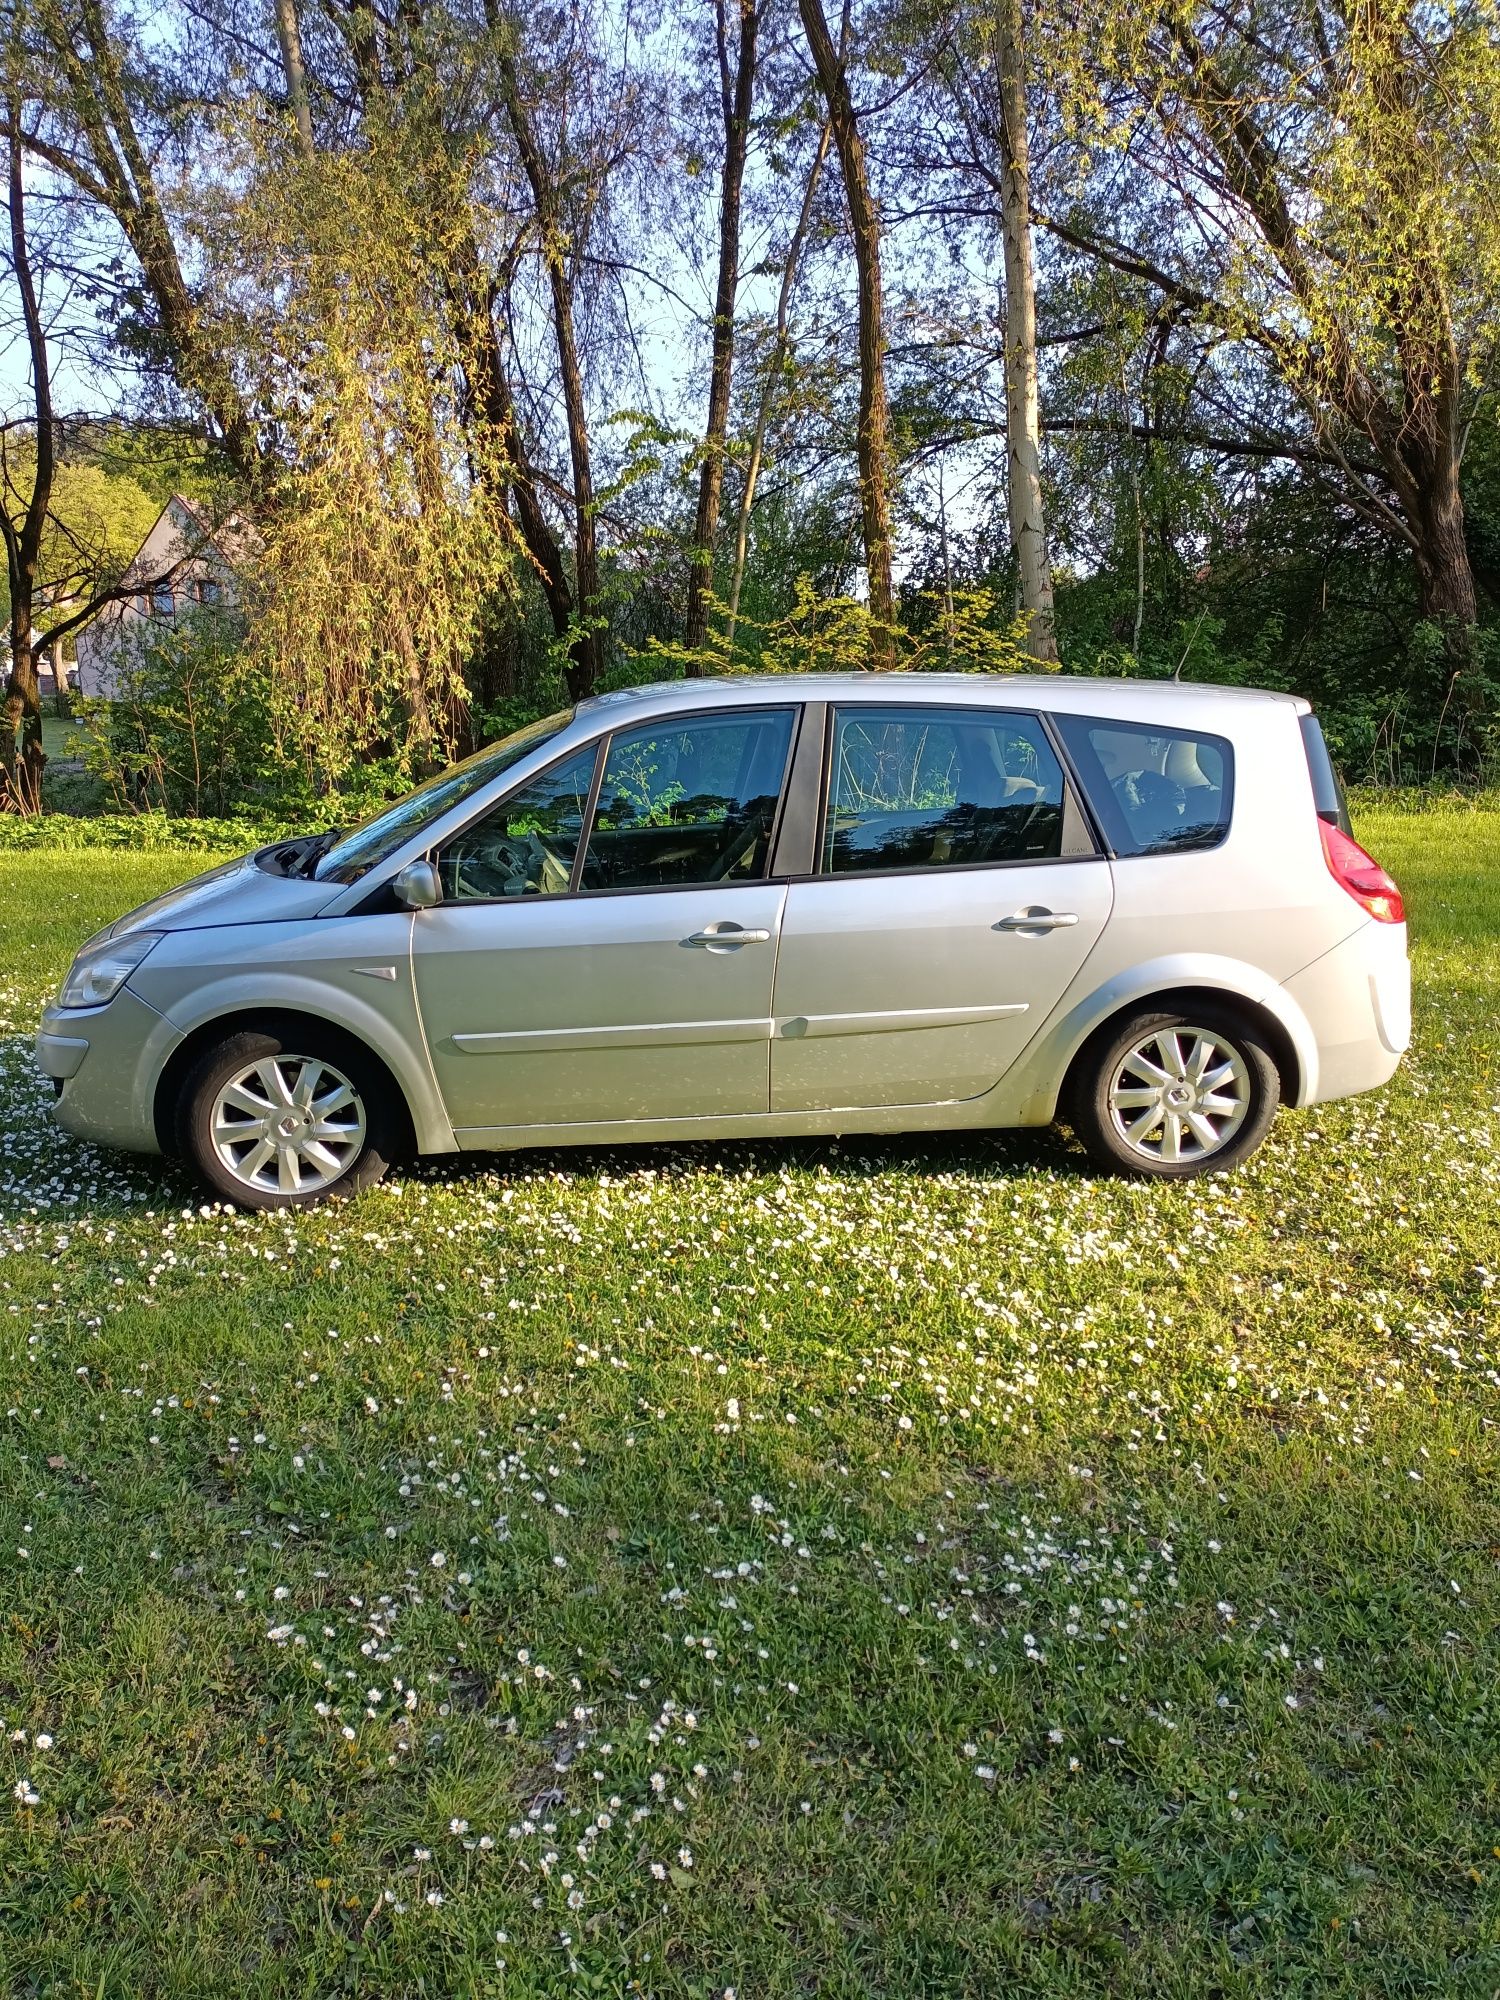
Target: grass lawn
896 1569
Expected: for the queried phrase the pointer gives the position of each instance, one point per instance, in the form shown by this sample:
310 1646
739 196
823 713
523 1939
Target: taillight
1362 875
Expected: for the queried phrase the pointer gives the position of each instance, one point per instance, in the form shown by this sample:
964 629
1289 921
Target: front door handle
1035 919
719 936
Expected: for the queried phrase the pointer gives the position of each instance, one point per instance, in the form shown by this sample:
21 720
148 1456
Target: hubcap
288 1125
1180 1094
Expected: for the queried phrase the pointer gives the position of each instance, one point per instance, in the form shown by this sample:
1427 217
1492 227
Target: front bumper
105 1062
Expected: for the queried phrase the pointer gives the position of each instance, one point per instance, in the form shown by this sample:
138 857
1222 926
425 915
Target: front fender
396 1037
1037 1077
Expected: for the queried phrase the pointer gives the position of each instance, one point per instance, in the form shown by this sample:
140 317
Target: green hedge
144 832
1414 799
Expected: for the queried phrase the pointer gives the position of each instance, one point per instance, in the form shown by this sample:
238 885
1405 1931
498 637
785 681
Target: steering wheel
491 871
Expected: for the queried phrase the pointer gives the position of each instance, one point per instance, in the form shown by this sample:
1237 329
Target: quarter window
528 844
686 802
932 788
1156 791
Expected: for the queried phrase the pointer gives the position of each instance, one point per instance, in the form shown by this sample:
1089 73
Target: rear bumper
1357 1001
104 1063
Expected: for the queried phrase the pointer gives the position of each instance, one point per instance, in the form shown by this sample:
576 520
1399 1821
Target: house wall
176 542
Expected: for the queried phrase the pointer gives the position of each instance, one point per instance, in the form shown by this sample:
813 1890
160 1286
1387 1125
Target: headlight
102 968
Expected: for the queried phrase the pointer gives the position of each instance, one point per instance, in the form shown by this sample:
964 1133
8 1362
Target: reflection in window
368 844
689 802
527 845
1157 791
933 788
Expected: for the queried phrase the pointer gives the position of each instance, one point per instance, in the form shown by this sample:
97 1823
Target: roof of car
1084 694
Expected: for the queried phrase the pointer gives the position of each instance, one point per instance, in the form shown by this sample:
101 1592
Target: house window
162 601
208 591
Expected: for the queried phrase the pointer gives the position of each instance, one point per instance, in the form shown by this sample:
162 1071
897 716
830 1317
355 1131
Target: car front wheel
273 1121
1172 1095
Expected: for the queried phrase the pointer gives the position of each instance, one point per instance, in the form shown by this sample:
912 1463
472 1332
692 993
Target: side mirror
417 886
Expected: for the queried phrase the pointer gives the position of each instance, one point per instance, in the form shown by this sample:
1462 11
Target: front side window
934 787
528 844
689 801
368 844
1156 791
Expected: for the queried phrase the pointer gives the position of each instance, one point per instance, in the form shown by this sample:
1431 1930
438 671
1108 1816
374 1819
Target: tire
360 1121
1127 1061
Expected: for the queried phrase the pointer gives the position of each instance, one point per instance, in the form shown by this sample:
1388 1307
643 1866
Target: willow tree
385 548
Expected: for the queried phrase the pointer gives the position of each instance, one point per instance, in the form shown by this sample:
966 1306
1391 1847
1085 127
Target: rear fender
1037 1079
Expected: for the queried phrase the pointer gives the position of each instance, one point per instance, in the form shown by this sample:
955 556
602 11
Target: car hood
237 893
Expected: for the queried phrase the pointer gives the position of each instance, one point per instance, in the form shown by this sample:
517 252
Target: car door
957 893
605 946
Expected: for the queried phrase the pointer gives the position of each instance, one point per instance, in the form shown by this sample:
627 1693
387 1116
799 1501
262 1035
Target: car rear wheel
272 1121
1170 1095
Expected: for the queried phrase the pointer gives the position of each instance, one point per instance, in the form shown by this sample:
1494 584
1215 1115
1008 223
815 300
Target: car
831 903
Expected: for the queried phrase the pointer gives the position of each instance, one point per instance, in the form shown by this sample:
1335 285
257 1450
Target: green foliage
97 520
191 728
964 632
389 549
140 833
163 460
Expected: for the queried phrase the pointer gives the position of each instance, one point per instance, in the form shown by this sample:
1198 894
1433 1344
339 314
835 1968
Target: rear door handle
1036 919
721 935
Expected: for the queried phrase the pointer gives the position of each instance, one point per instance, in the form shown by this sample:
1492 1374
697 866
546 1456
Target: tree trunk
502 462
874 442
779 354
711 476
289 34
583 669
1444 575
21 764
1028 528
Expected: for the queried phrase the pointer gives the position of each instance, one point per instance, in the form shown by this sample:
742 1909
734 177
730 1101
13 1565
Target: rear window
1328 793
1155 791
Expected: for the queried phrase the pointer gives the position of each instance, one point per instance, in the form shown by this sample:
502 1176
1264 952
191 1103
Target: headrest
1182 765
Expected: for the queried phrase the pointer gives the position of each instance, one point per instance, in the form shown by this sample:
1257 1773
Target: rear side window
934 787
1156 791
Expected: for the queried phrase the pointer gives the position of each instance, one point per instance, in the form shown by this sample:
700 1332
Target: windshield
369 843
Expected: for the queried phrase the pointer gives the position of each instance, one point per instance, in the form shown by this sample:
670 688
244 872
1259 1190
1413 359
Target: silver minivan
822 904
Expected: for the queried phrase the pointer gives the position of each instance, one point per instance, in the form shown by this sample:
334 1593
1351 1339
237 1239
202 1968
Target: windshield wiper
314 851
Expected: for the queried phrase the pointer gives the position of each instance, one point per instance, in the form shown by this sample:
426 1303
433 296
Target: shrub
147 832
189 729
